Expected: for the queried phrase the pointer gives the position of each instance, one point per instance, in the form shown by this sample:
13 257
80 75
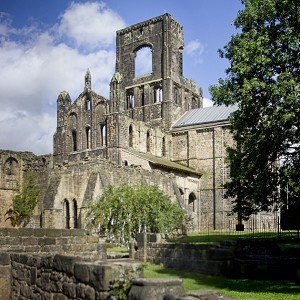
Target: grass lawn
236 288
214 237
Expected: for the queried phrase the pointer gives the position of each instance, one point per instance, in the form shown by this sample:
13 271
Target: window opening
164 150
130 100
130 136
74 140
148 141
158 95
75 211
194 103
176 96
143 99
67 214
103 135
192 200
143 61
88 137
11 166
88 104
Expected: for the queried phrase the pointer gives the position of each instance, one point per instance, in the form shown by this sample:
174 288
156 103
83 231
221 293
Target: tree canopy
123 211
264 81
24 203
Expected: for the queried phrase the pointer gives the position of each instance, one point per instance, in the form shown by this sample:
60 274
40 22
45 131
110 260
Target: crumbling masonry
152 130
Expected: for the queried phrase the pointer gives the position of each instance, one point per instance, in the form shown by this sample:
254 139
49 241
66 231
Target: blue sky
46 47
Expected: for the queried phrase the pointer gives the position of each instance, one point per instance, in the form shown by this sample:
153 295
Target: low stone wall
192 257
62 241
250 259
26 276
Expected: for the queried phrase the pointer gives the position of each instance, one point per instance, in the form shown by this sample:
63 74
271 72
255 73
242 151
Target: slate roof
162 162
205 115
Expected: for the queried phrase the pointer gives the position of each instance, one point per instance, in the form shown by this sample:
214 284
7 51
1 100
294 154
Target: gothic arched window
143 61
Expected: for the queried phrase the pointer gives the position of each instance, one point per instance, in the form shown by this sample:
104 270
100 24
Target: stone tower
156 98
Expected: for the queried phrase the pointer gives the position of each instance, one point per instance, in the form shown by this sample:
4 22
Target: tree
123 211
264 81
25 202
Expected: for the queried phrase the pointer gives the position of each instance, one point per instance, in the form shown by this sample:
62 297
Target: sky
47 46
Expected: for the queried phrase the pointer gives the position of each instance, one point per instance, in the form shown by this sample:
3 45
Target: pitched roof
205 115
163 162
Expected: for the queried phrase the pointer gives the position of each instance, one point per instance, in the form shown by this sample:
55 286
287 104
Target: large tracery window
143 61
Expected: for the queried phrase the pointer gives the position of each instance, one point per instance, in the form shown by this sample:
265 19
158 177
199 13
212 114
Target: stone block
53 232
47 241
82 272
29 241
4 258
102 251
65 264
100 276
69 289
5 282
39 232
155 288
26 232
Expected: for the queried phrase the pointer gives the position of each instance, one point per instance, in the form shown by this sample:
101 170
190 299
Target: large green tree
264 81
123 211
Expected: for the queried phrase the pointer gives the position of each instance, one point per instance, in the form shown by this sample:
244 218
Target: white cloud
36 65
195 49
90 24
207 102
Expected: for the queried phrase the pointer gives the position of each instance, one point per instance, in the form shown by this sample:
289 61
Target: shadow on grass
230 286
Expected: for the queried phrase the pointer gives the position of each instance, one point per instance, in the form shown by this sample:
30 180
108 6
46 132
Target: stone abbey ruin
153 129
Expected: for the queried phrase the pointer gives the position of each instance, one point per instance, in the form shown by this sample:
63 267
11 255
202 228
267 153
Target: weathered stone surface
155 288
82 272
64 263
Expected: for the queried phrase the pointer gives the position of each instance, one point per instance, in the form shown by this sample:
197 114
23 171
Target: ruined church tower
156 98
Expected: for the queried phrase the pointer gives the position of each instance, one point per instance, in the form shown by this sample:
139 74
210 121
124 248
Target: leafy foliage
25 202
122 212
264 80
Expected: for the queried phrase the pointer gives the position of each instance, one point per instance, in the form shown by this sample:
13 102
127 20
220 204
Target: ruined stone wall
13 166
85 181
44 241
60 277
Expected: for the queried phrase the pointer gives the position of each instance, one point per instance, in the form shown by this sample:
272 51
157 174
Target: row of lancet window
130 102
70 210
88 133
148 141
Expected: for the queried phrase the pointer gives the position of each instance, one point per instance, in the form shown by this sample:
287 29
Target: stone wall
240 258
44 241
57 276
13 167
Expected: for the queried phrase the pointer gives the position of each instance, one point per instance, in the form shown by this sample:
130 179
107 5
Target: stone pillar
5 276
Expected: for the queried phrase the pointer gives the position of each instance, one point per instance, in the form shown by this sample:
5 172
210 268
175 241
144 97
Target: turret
87 80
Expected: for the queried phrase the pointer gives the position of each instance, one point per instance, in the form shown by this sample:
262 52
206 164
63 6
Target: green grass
236 288
117 249
212 237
